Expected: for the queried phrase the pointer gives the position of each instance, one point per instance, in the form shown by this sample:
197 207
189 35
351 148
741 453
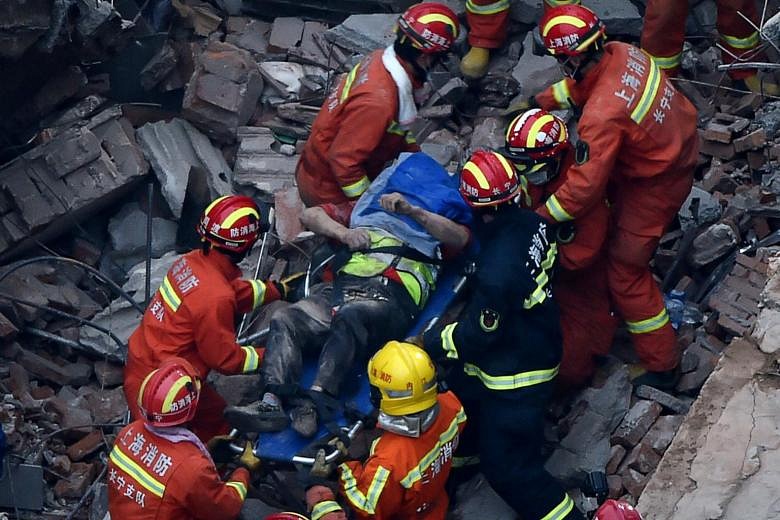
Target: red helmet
169 395
488 179
617 510
569 30
285 516
429 27
536 135
231 222
535 141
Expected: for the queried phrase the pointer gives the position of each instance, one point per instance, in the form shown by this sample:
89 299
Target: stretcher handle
334 455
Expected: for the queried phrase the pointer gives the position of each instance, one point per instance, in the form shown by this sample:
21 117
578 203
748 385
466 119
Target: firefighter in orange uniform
664 32
365 122
537 143
160 470
192 314
408 465
638 136
488 21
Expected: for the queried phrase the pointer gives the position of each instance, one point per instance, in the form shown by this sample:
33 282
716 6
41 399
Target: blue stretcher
288 446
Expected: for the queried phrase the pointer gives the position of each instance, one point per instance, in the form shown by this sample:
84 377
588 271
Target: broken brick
616 455
642 458
615 485
752 141
86 446
717 132
635 424
76 484
719 150
666 400
634 482
662 433
691 382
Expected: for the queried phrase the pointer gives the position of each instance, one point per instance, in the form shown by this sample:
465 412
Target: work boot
762 84
474 64
260 416
666 380
304 418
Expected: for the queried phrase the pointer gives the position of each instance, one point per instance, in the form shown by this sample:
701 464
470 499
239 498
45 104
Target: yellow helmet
405 377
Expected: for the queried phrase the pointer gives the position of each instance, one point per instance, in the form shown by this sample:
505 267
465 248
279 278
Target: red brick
757 278
663 431
78 481
732 326
634 482
756 159
721 305
635 424
615 483
744 287
643 458
717 132
616 455
752 263
752 141
86 446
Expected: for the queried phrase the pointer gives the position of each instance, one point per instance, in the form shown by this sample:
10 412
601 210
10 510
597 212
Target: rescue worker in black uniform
504 350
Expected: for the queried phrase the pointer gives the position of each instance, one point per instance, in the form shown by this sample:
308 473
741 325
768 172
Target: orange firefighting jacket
404 477
165 476
192 315
354 135
590 229
636 126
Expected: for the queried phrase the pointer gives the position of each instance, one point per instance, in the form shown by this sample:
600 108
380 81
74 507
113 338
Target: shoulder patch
581 152
488 320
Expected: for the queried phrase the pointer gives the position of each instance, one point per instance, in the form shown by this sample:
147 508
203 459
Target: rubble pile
208 98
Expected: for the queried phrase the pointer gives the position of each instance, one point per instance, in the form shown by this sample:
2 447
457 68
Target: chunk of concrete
127 230
286 32
715 243
698 209
363 33
595 414
79 172
248 33
488 134
176 149
259 166
535 73
636 423
223 91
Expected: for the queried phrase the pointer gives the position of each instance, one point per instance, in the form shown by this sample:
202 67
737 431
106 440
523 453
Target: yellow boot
762 85
474 64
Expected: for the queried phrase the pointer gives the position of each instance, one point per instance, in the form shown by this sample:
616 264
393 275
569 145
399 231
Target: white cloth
407 110
178 434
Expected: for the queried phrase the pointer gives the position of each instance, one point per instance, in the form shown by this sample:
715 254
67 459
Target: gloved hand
289 286
565 232
248 458
219 447
326 499
321 469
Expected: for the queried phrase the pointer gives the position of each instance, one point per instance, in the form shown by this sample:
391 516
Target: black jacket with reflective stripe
510 325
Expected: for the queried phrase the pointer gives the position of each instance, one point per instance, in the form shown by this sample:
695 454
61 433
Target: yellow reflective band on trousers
367 502
539 294
169 295
652 86
511 382
251 359
323 508
557 3
556 210
741 43
238 487
648 325
139 474
258 293
348 83
561 510
668 62
562 94
494 8
357 188
416 473
447 343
